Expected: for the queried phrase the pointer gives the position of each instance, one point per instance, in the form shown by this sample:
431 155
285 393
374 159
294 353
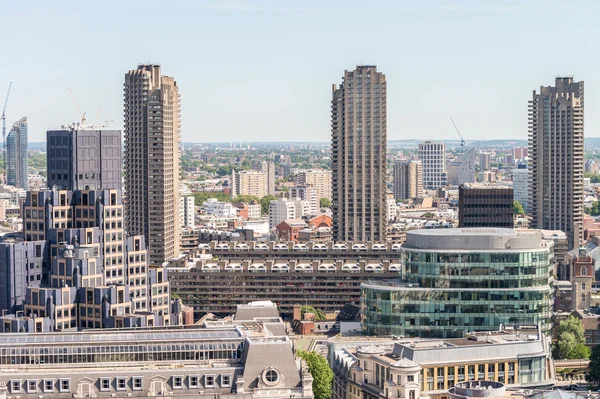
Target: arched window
583 297
583 271
411 394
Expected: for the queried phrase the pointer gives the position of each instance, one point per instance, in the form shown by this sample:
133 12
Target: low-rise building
519 357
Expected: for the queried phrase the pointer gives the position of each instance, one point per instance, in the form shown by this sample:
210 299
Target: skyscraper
433 156
268 168
461 170
152 118
556 158
16 155
359 143
408 179
81 159
520 178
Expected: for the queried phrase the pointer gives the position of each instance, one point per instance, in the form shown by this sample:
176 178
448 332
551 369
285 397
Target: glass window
209 381
193 381
137 383
177 382
105 384
31 386
226 380
121 384
65 385
48 386
15 386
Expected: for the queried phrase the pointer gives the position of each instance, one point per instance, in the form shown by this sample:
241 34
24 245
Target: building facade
17 169
516 356
249 358
323 275
268 168
460 280
520 178
556 158
152 128
408 179
461 170
485 161
319 179
359 156
433 157
307 193
249 182
481 205
83 159
186 211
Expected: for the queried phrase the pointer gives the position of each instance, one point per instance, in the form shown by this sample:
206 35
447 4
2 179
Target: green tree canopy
518 208
593 374
325 203
570 337
594 178
244 198
200 198
321 373
264 203
429 215
319 315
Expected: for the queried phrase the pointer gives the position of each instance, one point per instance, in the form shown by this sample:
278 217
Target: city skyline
254 49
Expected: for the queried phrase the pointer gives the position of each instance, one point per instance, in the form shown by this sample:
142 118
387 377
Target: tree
570 336
321 373
319 315
518 208
581 351
325 203
594 178
245 198
264 203
224 170
593 374
429 215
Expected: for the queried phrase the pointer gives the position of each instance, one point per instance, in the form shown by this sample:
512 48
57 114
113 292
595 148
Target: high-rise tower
152 127
16 155
359 143
556 158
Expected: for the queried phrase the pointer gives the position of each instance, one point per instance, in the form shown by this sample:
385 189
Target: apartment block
556 134
83 159
268 168
485 161
319 179
187 212
17 171
408 179
284 209
520 178
433 157
359 155
249 182
307 193
152 129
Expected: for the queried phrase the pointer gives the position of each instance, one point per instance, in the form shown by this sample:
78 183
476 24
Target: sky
262 70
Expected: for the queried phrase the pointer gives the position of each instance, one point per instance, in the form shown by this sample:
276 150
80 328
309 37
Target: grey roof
278 355
509 350
141 336
371 350
405 363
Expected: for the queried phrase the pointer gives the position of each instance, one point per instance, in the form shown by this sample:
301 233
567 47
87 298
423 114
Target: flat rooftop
475 239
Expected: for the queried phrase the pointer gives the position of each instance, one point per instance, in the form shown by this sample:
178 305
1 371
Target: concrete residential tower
359 143
556 158
152 118
408 179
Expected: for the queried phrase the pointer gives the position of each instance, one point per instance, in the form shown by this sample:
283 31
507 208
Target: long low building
250 358
325 276
518 357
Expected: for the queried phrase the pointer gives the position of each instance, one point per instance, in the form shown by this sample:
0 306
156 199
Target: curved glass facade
448 292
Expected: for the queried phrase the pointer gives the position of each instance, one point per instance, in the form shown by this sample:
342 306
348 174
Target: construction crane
4 129
78 109
462 141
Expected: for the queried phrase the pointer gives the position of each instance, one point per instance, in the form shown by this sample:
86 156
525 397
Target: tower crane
462 141
4 129
78 109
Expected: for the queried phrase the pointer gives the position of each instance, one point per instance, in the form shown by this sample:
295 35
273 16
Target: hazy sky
262 70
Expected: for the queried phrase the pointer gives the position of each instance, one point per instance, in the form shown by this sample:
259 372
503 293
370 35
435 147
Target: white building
260 226
462 169
433 157
186 211
520 177
219 209
392 209
284 209
254 211
309 194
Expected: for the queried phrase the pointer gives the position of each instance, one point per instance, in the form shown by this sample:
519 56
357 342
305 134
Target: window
209 381
410 378
121 384
270 376
32 386
193 381
65 385
15 386
48 386
137 383
177 382
104 384
225 380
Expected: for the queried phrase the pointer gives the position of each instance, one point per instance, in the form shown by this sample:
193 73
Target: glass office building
16 155
461 280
